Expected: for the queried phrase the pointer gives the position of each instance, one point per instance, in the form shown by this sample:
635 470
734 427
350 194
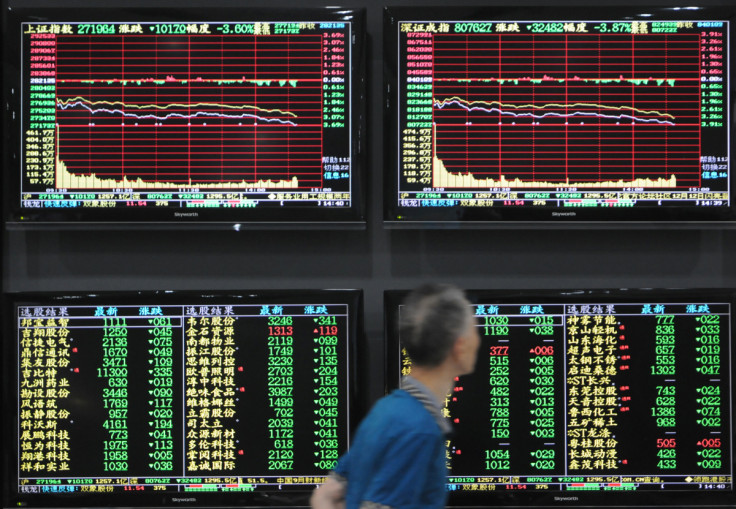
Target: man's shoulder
401 409
398 398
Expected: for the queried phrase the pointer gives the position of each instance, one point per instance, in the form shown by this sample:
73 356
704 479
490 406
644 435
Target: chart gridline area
194 110
581 110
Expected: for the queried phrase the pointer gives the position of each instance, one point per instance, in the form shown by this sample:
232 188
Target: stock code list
595 397
183 398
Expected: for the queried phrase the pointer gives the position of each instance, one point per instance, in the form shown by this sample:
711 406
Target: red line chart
212 111
603 110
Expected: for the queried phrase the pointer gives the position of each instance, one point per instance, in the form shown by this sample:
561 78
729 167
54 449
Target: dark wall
374 259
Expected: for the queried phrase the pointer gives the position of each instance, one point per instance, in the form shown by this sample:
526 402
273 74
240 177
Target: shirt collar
422 393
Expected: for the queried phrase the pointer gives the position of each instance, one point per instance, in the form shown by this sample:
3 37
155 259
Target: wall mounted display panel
176 398
248 116
559 115
592 398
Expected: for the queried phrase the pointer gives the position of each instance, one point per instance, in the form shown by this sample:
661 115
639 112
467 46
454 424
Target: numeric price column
327 390
663 371
280 365
519 436
160 393
712 421
496 330
544 374
113 371
327 334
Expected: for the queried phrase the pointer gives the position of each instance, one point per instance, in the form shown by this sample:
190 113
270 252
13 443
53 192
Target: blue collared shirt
397 458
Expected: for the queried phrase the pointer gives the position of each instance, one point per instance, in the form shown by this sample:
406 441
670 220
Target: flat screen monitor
592 398
559 115
176 399
246 116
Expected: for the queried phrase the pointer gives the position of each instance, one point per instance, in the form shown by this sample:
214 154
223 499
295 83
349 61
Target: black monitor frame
510 215
294 495
329 212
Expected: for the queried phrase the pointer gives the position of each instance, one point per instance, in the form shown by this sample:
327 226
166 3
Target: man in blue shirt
397 459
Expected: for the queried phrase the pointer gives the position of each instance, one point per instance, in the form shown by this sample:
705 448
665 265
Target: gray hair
432 317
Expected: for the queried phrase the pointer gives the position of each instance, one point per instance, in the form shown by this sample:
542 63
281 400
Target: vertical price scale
40 143
417 136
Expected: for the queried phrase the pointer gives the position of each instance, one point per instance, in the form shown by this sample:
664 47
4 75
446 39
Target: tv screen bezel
500 216
353 298
284 217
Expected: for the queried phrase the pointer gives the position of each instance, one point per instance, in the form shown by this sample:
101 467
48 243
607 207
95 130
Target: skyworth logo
566 499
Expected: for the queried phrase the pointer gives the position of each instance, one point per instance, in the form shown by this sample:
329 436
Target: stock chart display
189 398
570 115
595 396
195 115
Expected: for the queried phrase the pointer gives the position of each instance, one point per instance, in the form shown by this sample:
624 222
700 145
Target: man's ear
459 346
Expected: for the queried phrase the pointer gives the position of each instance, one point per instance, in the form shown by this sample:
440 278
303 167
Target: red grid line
90 140
508 57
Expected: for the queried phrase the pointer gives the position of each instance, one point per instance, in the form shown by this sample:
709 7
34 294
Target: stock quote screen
585 119
190 119
574 397
238 397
